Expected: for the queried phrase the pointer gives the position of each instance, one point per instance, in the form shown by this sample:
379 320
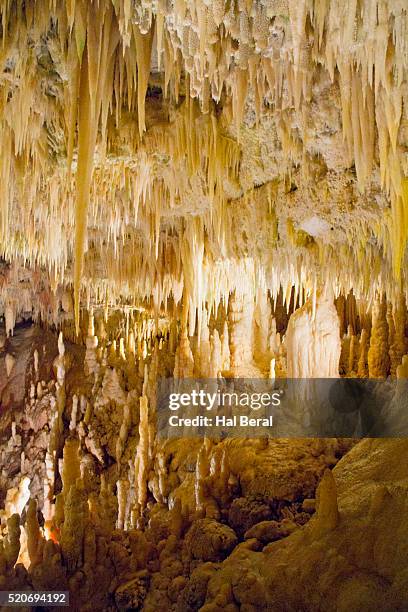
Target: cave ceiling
151 148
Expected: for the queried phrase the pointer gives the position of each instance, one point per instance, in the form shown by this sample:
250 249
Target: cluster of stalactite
76 154
372 332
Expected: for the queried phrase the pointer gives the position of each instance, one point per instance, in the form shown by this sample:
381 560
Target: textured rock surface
367 546
187 524
263 132
192 188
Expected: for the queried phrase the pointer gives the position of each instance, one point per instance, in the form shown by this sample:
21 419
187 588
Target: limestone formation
217 191
313 341
378 357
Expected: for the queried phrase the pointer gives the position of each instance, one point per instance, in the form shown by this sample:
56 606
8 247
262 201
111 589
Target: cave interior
203 190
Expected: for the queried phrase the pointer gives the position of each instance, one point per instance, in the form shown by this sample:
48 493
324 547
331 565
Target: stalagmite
202 363
73 529
202 471
10 361
399 344
313 343
70 465
241 331
123 489
184 360
59 363
74 412
378 359
262 315
272 369
11 542
91 359
353 356
274 338
216 362
141 461
9 319
36 362
17 497
402 369
225 348
35 541
123 432
362 371
327 517
49 486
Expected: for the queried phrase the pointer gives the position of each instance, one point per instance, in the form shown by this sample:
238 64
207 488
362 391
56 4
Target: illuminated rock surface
200 189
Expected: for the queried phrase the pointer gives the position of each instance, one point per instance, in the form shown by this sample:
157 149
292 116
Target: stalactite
86 144
5 169
143 52
208 53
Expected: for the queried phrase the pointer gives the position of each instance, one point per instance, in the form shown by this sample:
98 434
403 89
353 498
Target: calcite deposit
210 190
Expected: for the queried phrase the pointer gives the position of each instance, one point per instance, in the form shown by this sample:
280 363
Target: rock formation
204 193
